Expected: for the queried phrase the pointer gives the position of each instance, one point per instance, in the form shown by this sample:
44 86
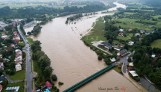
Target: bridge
88 79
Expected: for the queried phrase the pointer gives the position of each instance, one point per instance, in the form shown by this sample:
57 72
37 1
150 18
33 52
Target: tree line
43 64
35 12
73 18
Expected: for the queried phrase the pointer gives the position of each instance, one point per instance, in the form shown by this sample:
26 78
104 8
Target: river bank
71 59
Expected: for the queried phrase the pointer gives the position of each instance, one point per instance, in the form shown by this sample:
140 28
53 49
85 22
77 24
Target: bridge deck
88 79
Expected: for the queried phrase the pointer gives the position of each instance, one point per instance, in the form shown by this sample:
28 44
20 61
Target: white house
133 73
113 60
130 43
18 67
18 59
12 89
121 30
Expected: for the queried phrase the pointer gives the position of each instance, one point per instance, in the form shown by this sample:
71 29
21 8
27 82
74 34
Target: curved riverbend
72 60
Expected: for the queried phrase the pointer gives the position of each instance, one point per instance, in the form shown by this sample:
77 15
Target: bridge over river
88 79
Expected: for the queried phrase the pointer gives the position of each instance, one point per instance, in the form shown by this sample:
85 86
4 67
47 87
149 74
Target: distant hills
39 0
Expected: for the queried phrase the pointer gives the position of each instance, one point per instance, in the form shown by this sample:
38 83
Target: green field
156 44
97 33
128 23
20 75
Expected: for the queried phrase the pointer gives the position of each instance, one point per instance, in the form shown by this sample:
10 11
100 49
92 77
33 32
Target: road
27 50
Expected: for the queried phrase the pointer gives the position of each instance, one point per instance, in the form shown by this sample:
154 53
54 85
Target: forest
145 64
32 12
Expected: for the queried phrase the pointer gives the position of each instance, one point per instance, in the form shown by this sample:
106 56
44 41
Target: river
72 61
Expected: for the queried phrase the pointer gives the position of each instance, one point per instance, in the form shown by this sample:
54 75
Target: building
12 89
123 52
137 34
48 85
18 67
16 37
4 36
133 73
106 45
18 60
130 43
113 60
153 55
121 30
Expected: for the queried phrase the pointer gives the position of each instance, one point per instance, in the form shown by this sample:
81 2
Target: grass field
128 23
97 33
20 75
156 44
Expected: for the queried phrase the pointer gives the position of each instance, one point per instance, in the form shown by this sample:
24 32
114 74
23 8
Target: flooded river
72 60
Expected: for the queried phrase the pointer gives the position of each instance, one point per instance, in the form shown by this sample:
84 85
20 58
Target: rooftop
133 73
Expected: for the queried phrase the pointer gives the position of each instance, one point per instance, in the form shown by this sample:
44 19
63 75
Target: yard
125 38
20 75
156 44
21 84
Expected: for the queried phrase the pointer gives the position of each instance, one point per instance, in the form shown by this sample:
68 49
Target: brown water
72 60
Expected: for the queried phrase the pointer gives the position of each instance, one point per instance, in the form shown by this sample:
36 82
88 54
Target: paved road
28 62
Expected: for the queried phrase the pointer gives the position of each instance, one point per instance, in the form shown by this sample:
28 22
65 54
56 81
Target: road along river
72 61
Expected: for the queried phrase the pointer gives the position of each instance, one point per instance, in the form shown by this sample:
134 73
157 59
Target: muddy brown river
72 61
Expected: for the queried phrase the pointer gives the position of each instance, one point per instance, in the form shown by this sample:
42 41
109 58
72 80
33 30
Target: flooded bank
71 60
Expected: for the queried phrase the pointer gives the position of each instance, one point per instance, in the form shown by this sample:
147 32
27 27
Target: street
27 50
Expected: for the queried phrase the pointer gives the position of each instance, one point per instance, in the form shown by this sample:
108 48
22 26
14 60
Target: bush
99 58
60 83
54 77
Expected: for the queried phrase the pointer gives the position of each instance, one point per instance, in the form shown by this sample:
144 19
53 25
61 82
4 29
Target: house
121 30
16 37
18 67
130 43
131 64
4 36
123 52
113 60
153 55
137 34
12 45
106 45
133 73
48 85
117 48
121 34
18 59
12 89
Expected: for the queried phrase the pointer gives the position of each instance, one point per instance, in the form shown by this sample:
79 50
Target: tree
47 72
54 77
